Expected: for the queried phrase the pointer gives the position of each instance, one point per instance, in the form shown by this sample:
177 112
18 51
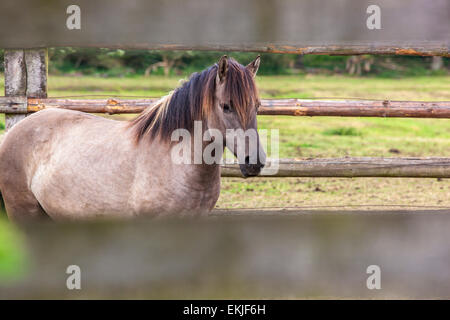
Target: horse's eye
226 108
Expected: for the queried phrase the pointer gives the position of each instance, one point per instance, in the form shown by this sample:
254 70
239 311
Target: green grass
337 137
344 131
12 252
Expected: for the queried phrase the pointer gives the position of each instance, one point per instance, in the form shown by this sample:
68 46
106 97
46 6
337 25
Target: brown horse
72 165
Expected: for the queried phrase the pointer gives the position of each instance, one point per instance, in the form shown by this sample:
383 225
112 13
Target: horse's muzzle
251 170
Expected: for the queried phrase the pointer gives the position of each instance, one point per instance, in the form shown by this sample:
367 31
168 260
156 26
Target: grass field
302 137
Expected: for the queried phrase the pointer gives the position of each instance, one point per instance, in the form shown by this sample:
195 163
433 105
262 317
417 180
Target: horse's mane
194 99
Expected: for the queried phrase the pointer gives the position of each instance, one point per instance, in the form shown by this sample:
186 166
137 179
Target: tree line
117 62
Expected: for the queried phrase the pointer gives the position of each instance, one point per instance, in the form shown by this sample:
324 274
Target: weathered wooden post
36 62
25 76
15 82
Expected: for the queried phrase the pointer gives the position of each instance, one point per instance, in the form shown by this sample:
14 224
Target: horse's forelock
241 88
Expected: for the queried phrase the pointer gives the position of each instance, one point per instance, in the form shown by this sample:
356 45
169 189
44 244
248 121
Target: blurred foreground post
238 254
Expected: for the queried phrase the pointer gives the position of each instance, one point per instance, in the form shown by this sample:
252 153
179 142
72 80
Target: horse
69 165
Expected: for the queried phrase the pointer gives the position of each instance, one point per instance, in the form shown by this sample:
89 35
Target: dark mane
194 99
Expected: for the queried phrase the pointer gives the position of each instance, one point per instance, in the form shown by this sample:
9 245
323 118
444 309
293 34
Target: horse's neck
197 175
199 171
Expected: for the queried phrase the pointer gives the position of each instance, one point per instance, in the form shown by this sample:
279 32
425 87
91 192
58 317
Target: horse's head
225 97
236 103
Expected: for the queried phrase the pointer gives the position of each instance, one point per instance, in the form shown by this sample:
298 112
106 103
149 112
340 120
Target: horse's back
44 123
51 120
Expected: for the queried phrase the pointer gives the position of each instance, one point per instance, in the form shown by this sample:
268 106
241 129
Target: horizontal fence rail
381 48
264 254
290 107
351 167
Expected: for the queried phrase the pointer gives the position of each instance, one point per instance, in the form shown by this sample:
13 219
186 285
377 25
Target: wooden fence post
25 75
36 61
15 82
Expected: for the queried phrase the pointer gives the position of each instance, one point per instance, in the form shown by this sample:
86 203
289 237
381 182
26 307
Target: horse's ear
254 65
222 69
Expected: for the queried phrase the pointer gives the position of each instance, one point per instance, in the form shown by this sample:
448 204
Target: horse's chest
176 195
